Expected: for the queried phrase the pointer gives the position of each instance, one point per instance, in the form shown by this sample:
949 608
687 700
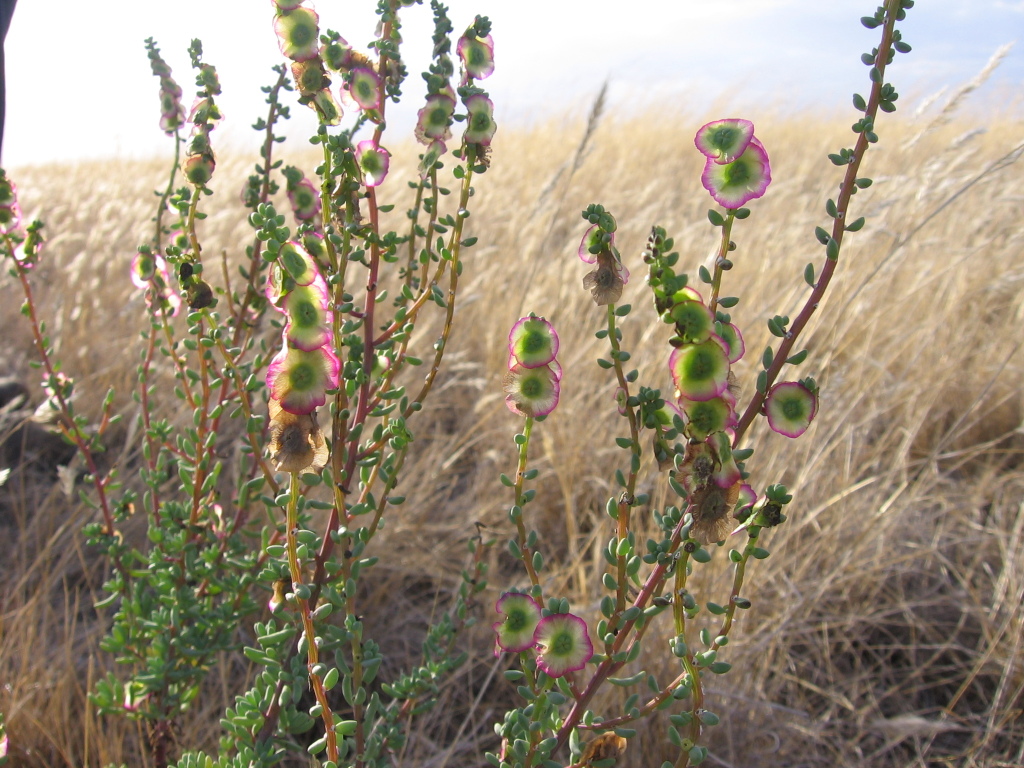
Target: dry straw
886 628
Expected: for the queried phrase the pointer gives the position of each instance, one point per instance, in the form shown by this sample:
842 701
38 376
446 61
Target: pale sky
79 84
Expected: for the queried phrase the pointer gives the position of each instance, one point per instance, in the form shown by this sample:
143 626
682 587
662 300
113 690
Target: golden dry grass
887 625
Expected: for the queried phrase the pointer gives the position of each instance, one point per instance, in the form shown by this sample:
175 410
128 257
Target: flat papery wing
724 140
790 407
738 182
591 238
607 746
734 341
700 371
532 342
564 644
480 125
532 391
521 615
604 284
299 379
477 54
297 32
296 442
712 507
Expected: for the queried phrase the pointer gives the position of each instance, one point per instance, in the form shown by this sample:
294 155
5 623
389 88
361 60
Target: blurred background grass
886 628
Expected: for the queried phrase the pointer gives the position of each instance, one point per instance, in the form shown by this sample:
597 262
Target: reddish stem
846 191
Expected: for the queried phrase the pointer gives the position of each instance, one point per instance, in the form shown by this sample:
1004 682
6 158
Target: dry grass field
887 627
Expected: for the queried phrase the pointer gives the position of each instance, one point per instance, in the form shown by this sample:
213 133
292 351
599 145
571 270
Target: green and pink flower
790 407
149 271
532 391
738 182
178 238
10 211
730 336
198 169
326 107
705 417
298 379
686 293
747 499
209 80
434 121
298 32
727 472
700 371
298 264
514 633
172 113
434 151
364 88
563 644
8 192
309 76
480 125
337 54
724 140
693 321
374 162
309 315
532 342
477 54
205 111
305 199
595 240
10 217
144 267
